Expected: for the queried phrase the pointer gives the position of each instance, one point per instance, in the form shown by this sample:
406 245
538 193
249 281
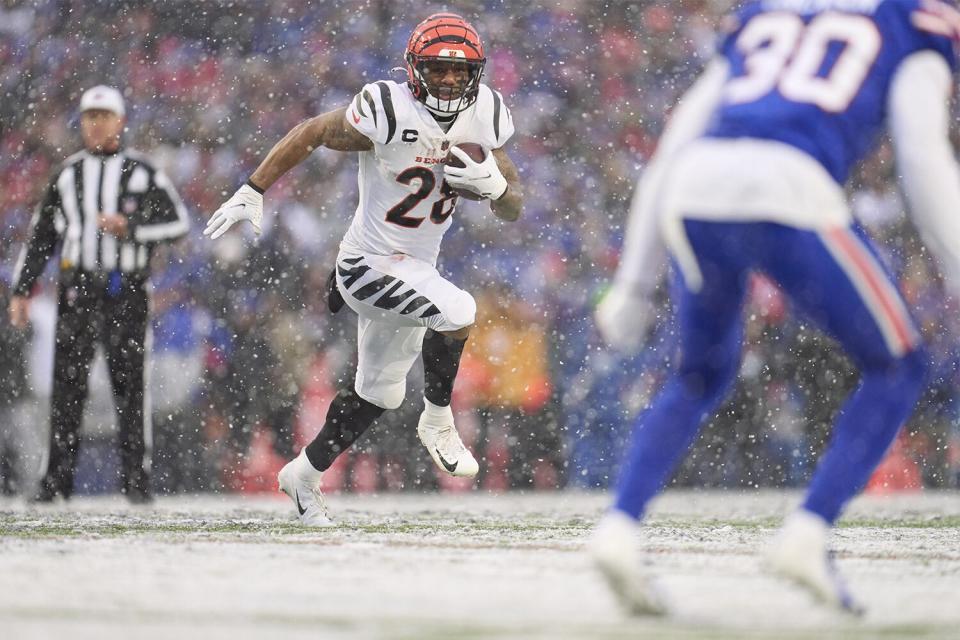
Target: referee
106 208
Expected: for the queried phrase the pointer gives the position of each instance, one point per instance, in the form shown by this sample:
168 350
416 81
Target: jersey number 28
441 208
781 52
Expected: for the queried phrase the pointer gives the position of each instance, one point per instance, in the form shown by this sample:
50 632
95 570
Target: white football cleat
441 439
613 549
303 487
799 553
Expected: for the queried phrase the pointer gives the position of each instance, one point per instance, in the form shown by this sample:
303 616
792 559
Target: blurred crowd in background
246 356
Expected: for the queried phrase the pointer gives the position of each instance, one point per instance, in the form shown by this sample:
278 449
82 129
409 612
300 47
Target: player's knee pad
462 313
384 394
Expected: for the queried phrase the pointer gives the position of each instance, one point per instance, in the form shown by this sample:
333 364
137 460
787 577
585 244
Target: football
478 154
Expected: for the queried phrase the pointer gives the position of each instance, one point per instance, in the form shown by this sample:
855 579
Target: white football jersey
405 205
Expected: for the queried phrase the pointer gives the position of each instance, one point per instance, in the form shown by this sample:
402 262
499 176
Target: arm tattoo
329 130
510 206
337 134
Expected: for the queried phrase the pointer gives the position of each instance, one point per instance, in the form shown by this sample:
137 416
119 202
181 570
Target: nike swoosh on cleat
297 498
446 465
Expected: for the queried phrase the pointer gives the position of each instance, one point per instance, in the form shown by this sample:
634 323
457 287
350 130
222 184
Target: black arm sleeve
41 243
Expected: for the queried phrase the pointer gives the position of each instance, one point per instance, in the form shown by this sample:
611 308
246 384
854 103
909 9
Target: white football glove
245 204
624 318
483 178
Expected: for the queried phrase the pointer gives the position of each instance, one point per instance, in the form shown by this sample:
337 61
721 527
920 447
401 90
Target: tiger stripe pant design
397 298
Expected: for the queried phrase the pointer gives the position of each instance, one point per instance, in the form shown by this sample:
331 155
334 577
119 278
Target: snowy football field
457 566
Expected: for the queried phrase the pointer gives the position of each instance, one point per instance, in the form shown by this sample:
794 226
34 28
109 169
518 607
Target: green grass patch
525 528
74 527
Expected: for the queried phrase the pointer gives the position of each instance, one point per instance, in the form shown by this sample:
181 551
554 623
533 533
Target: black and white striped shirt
90 184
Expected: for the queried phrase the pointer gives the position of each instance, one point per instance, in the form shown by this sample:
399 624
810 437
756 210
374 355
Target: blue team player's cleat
613 549
799 553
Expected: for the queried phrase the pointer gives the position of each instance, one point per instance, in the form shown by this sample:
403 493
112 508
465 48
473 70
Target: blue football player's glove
624 318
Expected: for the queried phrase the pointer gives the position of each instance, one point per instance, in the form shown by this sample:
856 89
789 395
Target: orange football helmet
444 63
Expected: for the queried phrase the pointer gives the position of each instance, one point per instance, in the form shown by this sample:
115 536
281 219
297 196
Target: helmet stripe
446 40
459 24
447 25
452 25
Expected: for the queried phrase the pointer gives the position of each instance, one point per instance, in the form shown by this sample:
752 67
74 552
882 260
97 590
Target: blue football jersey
815 74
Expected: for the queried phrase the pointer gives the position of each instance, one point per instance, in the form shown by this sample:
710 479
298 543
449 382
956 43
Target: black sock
335 300
441 360
348 417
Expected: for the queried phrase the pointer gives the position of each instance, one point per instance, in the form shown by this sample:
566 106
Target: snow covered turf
457 566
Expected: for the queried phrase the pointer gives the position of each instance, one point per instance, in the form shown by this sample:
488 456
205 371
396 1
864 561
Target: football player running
385 270
749 176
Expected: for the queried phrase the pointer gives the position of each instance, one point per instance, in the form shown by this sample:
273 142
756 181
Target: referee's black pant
114 312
